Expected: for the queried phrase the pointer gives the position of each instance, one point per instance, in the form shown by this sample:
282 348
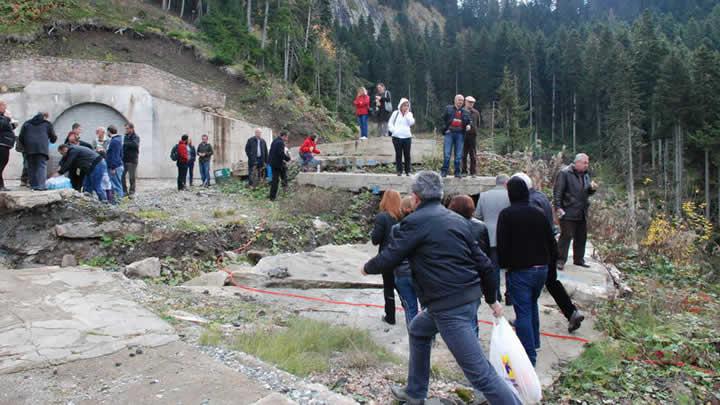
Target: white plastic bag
58 183
508 357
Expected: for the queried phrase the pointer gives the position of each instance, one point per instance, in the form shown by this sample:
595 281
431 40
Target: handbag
395 114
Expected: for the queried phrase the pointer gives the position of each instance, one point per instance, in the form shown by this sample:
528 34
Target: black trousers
77 179
470 149
402 149
577 231
557 291
389 293
182 175
278 174
4 159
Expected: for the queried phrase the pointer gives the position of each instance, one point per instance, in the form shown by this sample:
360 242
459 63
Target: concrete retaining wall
379 182
18 73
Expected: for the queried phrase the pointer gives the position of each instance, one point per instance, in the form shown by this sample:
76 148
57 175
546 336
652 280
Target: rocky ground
276 253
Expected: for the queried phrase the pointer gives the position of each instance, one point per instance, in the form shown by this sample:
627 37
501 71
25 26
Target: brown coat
474 122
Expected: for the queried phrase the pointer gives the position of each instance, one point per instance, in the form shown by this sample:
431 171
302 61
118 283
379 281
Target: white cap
470 99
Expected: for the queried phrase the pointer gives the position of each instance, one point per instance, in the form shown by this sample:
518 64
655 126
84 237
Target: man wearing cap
470 144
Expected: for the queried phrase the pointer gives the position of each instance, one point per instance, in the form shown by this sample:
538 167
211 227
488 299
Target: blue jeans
308 159
205 172
457 327
453 140
363 123
408 297
93 180
525 288
37 171
191 169
116 182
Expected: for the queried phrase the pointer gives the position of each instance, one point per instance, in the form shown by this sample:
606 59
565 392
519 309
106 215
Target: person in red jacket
362 109
307 150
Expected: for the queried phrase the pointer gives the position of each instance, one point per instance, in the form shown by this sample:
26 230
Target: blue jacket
449 115
114 154
448 267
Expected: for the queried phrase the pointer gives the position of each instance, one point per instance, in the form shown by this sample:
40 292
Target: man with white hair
470 144
256 151
451 274
571 199
101 143
556 289
457 121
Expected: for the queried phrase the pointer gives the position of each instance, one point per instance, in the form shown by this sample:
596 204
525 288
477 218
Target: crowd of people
442 255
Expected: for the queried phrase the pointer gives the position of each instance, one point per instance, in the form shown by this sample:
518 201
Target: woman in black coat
390 214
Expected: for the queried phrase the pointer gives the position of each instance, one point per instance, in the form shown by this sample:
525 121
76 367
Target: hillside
134 31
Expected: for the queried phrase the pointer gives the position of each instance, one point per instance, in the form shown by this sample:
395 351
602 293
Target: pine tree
511 112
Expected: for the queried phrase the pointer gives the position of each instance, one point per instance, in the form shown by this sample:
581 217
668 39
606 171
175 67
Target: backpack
174 154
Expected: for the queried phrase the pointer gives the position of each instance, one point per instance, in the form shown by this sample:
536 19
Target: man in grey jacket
489 205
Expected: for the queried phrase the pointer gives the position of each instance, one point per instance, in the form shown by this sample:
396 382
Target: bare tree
574 120
249 15
182 8
265 25
552 124
309 19
631 180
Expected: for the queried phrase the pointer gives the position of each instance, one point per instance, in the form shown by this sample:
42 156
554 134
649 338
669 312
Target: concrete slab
55 315
421 150
378 182
172 374
26 199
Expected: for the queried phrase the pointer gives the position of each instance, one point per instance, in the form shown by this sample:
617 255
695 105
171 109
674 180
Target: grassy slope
251 94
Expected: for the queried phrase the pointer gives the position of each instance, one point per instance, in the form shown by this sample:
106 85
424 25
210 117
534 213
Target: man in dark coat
131 152
85 160
35 138
470 144
257 153
205 152
451 274
7 140
277 158
571 198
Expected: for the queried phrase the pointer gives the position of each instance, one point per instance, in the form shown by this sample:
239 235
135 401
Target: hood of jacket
403 100
517 191
38 119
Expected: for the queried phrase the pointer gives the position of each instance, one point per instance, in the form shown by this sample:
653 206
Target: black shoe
575 320
402 396
443 174
399 173
388 321
560 265
582 264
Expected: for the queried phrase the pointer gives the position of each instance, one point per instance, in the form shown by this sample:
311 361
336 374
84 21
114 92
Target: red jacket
309 146
362 104
182 152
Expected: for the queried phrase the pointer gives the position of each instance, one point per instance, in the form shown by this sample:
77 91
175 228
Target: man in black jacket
526 247
556 289
131 152
85 160
451 274
277 158
257 153
571 198
7 140
35 138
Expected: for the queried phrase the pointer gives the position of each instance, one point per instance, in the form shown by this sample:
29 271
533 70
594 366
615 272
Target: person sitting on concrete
180 153
131 156
526 246
308 150
205 152
457 121
399 127
114 160
571 197
101 142
403 274
490 204
556 289
277 158
451 274
256 151
34 140
470 143
87 161
7 140
381 235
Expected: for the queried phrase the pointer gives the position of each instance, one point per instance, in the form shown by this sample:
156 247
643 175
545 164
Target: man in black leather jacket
571 199
451 273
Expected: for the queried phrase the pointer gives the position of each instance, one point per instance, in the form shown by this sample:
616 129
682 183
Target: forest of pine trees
633 82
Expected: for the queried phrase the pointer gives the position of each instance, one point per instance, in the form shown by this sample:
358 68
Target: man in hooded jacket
35 138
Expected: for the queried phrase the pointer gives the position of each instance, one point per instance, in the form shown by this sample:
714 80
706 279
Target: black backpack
174 153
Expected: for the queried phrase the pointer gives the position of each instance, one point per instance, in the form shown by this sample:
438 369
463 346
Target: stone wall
18 73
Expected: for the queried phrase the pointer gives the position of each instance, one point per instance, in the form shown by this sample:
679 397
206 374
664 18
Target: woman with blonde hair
403 274
362 110
390 214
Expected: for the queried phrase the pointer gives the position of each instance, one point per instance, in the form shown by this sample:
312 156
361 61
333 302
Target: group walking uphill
441 261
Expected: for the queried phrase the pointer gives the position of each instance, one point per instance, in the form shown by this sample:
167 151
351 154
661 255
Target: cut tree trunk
307 26
249 15
574 122
182 8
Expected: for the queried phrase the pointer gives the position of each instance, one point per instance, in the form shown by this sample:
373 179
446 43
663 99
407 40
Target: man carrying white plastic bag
512 364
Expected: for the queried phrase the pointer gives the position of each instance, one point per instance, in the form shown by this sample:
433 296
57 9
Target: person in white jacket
399 127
